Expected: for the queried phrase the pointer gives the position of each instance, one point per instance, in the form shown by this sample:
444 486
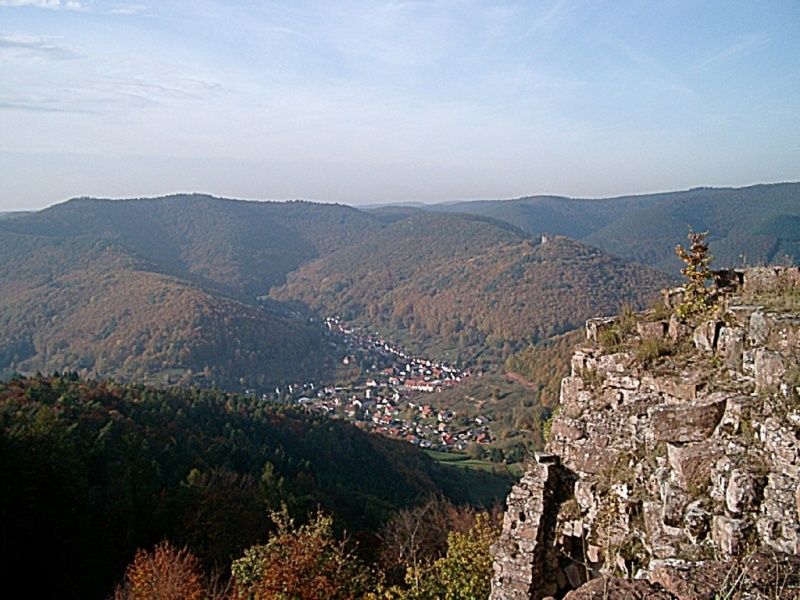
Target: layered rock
679 446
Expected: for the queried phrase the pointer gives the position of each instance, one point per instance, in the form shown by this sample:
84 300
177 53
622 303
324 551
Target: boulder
606 588
689 581
654 330
769 370
729 534
730 347
741 313
743 493
691 422
759 327
705 336
692 464
677 330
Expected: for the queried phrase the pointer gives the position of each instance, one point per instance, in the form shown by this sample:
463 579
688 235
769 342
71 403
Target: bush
697 299
166 573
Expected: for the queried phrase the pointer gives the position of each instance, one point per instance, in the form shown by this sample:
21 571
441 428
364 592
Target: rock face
664 468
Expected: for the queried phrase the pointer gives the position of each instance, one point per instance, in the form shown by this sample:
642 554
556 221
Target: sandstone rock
764 279
769 370
696 521
655 330
582 362
692 464
784 334
741 313
573 398
608 588
585 494
749 362
738 411
730 347
743 493
759 328
689 581
569 429
521 554
595 327
680 389
677 330
729 534
654 457
705 336
674 501
687 423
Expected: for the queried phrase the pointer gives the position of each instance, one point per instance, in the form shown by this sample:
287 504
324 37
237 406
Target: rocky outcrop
679 454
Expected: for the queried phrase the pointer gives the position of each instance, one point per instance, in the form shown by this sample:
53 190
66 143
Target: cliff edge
673 464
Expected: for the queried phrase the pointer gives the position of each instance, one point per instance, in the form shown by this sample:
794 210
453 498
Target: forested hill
92 471
163 290
750 225
237 246
465 282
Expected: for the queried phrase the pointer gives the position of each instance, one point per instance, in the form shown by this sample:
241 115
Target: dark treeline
92 471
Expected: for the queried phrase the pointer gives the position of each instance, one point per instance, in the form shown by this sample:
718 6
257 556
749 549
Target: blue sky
370 102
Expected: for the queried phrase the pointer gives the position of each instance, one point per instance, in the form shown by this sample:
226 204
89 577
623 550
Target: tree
697 299
301 563
464 573
166 573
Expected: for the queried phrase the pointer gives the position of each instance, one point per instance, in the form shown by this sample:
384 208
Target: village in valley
392 393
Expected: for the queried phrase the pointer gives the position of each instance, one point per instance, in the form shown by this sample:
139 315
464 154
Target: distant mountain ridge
165 289
747 225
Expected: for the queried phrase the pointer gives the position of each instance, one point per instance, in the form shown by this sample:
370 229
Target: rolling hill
239 247
461 282
196 289
163 290
747 226
750 225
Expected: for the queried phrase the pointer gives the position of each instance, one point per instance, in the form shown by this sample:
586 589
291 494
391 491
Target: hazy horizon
394 102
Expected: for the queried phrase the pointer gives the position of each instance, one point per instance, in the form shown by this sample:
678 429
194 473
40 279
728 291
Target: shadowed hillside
469 282
750 225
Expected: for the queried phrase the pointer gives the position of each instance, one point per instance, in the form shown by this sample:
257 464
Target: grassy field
465 462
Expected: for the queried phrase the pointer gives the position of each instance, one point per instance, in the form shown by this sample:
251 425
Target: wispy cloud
49 4
748 43
127 9
36 44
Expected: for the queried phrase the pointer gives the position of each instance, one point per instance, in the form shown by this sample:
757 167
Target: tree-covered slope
163 290
92 471
555 215
468 282
750 225
239 247
85 303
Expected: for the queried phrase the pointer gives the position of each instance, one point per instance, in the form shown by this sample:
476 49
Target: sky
378 102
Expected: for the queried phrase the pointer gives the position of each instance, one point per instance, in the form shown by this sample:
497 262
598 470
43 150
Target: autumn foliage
166 573
301 563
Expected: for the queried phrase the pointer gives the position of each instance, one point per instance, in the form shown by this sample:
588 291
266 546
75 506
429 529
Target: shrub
697 298
166 573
